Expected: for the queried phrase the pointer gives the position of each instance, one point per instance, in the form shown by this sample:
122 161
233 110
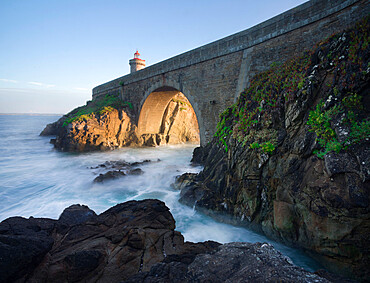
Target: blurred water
38 181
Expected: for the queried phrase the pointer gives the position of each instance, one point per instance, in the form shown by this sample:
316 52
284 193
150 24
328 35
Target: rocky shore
292 159
132 242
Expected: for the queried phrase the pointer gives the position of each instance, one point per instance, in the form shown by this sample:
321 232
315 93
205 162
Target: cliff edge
291 157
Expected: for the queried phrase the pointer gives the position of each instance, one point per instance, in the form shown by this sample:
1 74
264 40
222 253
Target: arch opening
167 117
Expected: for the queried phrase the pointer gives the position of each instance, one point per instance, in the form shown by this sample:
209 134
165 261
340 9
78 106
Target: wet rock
290 193
233 262
184 180
245 262
136 171
23 245
110 175
131 242
134 235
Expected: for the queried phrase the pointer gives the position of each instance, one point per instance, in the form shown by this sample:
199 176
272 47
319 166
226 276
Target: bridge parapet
295 18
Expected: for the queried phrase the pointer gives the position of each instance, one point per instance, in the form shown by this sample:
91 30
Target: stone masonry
212 76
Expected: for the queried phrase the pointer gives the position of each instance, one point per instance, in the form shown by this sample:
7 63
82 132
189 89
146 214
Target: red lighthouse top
136 56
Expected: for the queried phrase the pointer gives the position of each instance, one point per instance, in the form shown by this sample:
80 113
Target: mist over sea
38 181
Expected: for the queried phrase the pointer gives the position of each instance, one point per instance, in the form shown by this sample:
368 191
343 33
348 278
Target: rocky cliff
109 123
291 158
108 130
132 242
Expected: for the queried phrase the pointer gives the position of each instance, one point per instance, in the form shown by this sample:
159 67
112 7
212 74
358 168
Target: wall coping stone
288 21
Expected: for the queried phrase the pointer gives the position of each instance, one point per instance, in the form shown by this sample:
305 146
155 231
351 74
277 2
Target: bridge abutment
212 76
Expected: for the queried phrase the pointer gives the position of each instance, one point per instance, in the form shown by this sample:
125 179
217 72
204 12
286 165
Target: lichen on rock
291 157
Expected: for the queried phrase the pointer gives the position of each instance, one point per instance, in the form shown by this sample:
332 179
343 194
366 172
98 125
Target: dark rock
336 163
77 214
290 193
82 263
184 180
23 245
136 171
199 155
109 176
134 236
245 262
233 262
53 129
142 162
130 242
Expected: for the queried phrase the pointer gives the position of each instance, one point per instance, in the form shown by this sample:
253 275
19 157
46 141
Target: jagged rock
117 128
131 242
232 262
121 164
104 131
111 247
184 180
23 245
245 262
290 194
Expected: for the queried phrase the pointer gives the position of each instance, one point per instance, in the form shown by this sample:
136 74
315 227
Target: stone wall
212 76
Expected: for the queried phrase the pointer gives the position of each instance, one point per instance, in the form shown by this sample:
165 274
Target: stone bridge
212 76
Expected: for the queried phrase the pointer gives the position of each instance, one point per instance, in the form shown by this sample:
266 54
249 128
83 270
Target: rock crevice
131 242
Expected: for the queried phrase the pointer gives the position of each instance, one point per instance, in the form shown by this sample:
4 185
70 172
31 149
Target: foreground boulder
232 262
134 242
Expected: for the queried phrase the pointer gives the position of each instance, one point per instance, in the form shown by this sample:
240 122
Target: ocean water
36 180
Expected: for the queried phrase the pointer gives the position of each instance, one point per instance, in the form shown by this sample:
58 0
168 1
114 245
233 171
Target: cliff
109 123
291 157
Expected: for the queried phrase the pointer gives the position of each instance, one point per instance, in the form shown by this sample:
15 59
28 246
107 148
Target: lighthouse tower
136 64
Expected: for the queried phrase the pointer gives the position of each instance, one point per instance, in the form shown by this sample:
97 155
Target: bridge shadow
167 117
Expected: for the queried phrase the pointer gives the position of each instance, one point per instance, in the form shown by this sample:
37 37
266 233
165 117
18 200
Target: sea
37 180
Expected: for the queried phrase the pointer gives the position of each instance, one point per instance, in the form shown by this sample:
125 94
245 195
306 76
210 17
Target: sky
53 52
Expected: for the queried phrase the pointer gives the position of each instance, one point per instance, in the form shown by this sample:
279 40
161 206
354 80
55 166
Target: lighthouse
136 63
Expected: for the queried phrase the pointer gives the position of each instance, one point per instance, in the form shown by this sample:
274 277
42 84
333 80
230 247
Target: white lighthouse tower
136 64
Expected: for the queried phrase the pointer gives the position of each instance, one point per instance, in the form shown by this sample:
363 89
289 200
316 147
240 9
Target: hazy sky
53 52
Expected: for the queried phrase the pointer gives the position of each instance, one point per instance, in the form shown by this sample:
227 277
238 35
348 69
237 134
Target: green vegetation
99 106
254 119
267 147
320 121
249 118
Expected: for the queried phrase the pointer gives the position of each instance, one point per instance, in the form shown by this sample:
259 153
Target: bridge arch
171 115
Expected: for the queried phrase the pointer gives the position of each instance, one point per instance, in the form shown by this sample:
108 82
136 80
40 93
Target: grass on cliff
99 106
251 120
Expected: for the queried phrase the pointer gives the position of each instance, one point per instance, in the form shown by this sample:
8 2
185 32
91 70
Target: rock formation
103 131
116 128
130 242
292 158
120 168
